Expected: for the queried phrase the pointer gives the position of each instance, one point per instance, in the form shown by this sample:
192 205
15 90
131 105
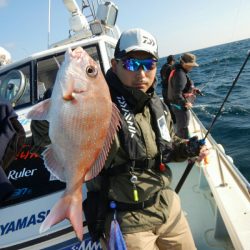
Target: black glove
95 213
167 154
194 146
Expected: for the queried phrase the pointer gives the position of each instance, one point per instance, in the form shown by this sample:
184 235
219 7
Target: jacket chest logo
127 115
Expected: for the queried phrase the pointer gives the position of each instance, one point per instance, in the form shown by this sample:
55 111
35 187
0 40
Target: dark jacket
179 84
151 181
165 72
40 129
12 137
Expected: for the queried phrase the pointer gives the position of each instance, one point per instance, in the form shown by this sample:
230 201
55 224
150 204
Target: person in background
165 72
181 93
40 129
136 178
12 138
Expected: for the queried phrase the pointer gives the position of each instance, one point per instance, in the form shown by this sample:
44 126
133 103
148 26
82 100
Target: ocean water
219 66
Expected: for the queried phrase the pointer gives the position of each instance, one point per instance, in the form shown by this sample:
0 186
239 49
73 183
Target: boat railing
198 128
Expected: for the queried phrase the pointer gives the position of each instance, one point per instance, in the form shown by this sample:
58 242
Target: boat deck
199 206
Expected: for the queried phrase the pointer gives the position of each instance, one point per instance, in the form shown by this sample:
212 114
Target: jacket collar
179 66
136 98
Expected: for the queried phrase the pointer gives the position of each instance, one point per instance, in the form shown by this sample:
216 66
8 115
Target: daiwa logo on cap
148 40
136 40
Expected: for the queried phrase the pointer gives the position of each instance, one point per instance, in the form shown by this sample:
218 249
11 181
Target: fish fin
52 164
66 208
40 111
113 127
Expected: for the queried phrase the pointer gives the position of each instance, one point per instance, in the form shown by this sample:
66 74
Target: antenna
78 21
49 25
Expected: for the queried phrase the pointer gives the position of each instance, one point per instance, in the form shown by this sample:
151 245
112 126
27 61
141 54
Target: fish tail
66 208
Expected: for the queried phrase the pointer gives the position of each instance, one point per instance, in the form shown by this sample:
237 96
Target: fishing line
229 92
235 19
225 60
204 85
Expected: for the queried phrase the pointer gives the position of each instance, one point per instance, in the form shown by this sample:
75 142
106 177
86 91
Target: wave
237 110
211 110
226 60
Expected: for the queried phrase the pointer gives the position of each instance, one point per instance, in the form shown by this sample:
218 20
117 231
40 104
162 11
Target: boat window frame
110 48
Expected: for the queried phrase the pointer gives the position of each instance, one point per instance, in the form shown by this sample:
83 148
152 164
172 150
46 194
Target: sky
178 25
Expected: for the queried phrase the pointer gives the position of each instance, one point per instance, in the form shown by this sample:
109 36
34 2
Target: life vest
130 134
171 74
165 73
187 92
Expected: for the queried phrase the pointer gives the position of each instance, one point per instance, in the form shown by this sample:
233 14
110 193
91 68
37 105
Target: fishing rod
201 142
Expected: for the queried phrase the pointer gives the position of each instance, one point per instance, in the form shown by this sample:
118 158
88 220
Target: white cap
136 40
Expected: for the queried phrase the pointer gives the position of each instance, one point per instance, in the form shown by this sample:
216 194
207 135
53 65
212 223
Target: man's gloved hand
96 231
167 154
95 210
194 146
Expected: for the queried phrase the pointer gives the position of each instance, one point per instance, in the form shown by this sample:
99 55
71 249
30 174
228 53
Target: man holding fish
136 179
126 146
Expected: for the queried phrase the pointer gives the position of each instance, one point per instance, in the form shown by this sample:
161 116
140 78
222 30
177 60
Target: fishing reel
194 145
198 92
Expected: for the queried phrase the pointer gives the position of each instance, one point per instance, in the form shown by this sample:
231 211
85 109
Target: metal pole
49 25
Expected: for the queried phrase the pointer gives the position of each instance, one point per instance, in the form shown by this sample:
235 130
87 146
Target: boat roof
60 48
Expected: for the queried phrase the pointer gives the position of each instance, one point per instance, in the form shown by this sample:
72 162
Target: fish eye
91 71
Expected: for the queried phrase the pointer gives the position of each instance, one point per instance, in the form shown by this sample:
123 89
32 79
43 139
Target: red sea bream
83 121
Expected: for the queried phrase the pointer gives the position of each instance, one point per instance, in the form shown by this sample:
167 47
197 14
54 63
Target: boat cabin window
94 53
110 51
47 69
18 85
15 86
46 74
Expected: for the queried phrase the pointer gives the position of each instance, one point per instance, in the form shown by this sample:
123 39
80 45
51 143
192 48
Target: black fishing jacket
146 138
179 84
